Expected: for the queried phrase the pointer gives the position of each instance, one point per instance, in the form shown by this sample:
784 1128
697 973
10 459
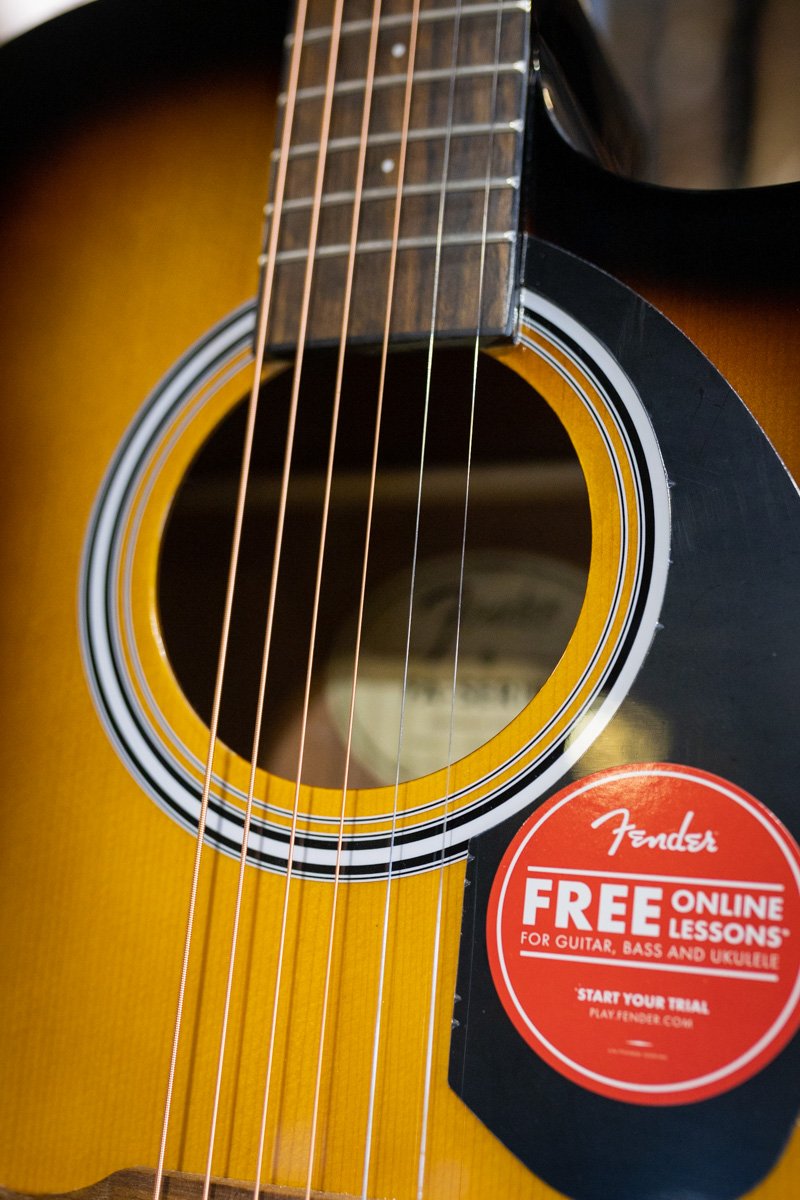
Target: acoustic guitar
326 614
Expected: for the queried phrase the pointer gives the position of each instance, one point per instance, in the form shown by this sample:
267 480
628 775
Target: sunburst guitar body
609 584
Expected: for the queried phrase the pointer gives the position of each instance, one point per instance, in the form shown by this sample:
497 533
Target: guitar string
343 339
273 588
378 1022
323 141
261 339
388 312
280 527
436 957
428 383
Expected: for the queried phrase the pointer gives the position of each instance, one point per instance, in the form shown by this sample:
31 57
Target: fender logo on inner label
644 934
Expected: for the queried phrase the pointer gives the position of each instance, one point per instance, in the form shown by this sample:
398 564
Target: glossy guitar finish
125 238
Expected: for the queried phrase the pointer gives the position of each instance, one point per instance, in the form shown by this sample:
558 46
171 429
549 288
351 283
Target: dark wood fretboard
461 184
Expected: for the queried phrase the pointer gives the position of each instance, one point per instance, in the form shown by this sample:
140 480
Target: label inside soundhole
517 612
643 934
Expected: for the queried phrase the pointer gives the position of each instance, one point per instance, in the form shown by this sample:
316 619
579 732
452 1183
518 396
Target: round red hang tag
644 934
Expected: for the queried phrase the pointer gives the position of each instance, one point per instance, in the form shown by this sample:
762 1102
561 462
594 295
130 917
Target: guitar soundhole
526 558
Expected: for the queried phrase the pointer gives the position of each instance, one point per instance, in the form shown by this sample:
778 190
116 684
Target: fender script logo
684 840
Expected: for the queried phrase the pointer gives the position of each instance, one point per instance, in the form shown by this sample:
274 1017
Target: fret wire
433 75
396 20
338 249
331 199
414 135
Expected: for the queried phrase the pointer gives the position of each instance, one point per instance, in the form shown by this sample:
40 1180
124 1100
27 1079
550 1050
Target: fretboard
457 153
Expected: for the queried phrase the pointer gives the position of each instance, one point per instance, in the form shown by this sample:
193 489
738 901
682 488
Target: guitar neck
402 134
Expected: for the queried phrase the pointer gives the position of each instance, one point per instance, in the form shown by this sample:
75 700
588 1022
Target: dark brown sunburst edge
137 1184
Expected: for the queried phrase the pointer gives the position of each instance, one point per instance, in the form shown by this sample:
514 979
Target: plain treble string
395 242
435 965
